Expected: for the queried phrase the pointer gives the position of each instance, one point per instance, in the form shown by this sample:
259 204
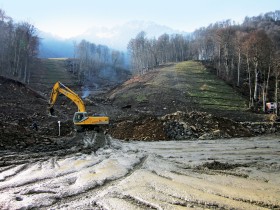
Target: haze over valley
115 38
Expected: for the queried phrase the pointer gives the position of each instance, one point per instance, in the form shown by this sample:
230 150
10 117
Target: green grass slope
208 91
48 71
185 86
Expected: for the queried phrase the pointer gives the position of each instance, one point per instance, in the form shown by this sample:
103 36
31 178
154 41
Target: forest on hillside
19 47
245 55
94 62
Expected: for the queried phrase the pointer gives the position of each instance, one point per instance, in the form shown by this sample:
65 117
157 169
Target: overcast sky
67 18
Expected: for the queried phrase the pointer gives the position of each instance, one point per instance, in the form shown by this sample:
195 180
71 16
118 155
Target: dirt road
216 174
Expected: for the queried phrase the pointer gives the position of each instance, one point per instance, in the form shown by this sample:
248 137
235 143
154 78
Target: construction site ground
169 129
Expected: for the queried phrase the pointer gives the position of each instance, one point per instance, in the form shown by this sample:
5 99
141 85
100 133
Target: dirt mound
144 128
18 102
20 108
11 89
202 125
179 126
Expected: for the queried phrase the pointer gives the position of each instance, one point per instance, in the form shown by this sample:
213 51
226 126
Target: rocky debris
201 125
179 126
260 128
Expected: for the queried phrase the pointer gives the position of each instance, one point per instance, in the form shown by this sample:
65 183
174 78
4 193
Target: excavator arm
60 88
81 117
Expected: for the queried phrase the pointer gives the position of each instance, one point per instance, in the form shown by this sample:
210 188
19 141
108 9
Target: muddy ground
205 174
150 107
39 169
22 106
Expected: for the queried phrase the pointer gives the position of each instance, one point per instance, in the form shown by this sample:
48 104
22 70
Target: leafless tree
19 46
96 61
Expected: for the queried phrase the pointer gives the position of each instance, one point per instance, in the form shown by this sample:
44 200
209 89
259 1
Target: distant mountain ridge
116 37
119 36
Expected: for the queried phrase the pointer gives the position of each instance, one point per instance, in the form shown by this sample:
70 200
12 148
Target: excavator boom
60 88
80 118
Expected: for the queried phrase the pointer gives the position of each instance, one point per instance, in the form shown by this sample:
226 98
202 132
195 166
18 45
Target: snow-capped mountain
119 36
116 37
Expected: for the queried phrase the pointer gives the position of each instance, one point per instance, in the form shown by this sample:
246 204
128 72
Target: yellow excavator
81 119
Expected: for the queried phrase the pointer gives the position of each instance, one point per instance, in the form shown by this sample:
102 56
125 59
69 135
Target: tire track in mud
139 203
15 164
38 186
192 204
12 158
192 171
98 189
17 158
228 173
180 201
6 168
156 178
16 171
201 203
52 161
38 181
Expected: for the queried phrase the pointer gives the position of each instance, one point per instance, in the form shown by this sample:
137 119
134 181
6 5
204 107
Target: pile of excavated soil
144 128
202 125
179 126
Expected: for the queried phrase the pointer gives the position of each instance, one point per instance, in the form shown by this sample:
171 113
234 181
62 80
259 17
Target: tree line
93 63
19 46
145 54
245 55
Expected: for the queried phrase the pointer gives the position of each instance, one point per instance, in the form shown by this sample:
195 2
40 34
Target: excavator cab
79 116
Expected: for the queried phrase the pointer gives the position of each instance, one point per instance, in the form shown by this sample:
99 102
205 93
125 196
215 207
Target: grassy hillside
48 71
186 86
206 90
51 70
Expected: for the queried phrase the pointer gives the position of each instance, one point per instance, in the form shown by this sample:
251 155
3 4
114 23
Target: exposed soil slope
155 106
20 107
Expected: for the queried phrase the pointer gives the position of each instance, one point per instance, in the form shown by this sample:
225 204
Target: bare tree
97 61
163 45
276 72
19 46
239 35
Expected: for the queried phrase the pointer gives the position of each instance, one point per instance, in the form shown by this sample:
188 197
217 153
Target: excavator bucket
51 110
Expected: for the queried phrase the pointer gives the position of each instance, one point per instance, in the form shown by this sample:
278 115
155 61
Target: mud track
216 174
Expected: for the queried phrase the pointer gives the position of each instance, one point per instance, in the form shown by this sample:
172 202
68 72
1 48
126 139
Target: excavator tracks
94 140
